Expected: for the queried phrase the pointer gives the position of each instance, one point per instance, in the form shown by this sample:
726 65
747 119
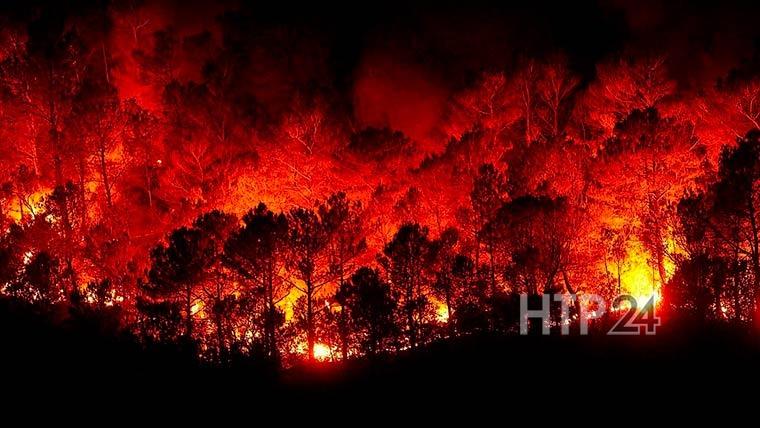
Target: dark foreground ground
90 364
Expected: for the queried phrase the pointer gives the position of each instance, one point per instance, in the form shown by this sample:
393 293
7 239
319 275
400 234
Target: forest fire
322 352
223 184
442 313
31 205
641 281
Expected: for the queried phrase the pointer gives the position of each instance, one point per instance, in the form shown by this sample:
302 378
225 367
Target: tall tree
445 285
177 269
625 85
539 233
41 76
489 192
371 306
343 220
142 145
99 124
406 260
258 253
700 286
308 242
736 204
218 289
555 86
645 169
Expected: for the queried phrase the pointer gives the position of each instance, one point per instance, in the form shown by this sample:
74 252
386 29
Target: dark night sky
465 36
461 38
442 46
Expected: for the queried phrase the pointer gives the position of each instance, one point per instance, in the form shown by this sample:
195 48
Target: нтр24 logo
635 321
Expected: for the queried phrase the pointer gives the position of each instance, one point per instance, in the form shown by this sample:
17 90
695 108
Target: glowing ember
197 309
441 312
322 352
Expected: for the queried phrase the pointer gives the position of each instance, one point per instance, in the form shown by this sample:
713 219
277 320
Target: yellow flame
197 309
641 278
34 205
441 312
322 352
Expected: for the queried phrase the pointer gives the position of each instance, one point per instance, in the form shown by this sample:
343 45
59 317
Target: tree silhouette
39 280
487 196
135 147
444 285
177 268
647 167
257 253
99 123
371 308
407 260
11 259
720 227
342 219
217 288
308 241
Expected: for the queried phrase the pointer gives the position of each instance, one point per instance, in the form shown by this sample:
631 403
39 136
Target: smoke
399 95
703 41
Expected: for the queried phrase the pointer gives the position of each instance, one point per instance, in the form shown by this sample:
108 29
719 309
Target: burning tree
257 253
644 169
133 146
177 269
370 305
407 260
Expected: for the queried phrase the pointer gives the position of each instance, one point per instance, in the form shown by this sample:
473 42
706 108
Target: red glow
223 187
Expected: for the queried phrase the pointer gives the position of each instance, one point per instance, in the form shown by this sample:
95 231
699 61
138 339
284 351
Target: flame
322 352
302 158
34 205
640 281
640 278
197 309
441 312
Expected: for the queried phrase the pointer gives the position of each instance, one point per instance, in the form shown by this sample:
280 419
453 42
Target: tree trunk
343 320
492 272
35 159
63 205
527 103
271 315
343 331
659 254
104 175
149 186
310 319
410 316
477 252
105 63
735 291
82 192
188 312
572 291
222 347
449 321
755 258
555 116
